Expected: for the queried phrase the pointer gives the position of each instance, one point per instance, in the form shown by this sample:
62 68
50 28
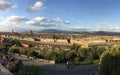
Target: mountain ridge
79 32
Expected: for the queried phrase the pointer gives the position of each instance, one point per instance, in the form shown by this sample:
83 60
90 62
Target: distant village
61 39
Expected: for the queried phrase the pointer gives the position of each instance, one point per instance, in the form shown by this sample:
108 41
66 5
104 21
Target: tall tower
31 32
12 30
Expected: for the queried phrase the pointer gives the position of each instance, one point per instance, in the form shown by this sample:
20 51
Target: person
72 65
68 65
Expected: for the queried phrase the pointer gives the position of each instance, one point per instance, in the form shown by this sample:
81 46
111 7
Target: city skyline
75 15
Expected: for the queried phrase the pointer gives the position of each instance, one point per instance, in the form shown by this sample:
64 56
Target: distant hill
81 32
59 31
52 31
104 33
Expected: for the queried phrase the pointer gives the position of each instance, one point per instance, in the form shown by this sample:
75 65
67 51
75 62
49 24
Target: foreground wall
4 71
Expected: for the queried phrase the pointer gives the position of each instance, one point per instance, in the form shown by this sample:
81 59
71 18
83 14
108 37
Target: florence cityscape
59 37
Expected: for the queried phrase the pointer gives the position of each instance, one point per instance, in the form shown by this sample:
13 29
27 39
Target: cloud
39 19
66 22
44 22
38 5
104 26
36 21
6 4
13 20
114 29
58 20
23 23
79 29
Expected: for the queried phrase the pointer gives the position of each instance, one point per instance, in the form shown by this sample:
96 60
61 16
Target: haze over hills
79 32
102 33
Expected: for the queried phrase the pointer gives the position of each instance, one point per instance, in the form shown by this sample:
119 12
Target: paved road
80 72
60 69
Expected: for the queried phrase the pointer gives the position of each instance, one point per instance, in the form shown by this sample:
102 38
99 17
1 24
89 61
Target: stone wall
4 71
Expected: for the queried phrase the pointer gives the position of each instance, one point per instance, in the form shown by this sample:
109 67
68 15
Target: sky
75 15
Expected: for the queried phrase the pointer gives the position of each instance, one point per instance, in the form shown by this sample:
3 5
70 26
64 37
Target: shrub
75 47
52 55
83 63
96 61
30 70
71 55
14 50
84 52
76 59
87 62
110 62
61 57
24 52
32 53
15 66
100 50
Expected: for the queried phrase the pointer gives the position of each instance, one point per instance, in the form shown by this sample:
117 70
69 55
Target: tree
52 55
36 39
83 52
71 55
55 38
100 50
14 42
110 62
30 70
14 50
93 53
61 56
3 48
24 52
75 47
15 66
69 40
32 53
